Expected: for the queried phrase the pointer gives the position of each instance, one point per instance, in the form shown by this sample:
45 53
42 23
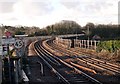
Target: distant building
96 37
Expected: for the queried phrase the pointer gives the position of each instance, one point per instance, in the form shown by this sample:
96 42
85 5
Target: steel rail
77 70
95 66
113 65
109 70
103 65
49 56
57 73
46 57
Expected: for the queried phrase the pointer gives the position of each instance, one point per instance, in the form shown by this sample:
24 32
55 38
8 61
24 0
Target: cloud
12 18
87 6
26 8
70 4
6 7
46 12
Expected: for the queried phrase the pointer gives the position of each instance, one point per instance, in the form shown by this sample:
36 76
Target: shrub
111 46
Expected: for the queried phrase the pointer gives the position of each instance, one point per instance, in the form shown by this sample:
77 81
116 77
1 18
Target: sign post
18 44
8 36
21 49
0 56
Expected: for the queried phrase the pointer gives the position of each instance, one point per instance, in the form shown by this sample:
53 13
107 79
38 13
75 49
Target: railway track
112 69
93 62
66 73
40 73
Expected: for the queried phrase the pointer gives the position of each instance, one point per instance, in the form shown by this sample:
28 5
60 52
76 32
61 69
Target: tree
90 25
65 27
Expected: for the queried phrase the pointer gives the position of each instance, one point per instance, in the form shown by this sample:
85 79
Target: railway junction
58 61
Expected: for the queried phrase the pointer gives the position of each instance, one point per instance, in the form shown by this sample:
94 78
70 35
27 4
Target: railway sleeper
106 68
57 74
97 67
50 58
99 62
80 72
45 55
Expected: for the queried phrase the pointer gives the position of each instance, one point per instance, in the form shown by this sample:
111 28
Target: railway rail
66 73
40 73
93 62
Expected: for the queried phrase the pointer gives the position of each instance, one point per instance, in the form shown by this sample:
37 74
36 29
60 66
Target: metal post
76 40
19 65
9 61
41 68
84 43
95 44
1 67
88 32
16 72
80 43
88 37
91 44
88 44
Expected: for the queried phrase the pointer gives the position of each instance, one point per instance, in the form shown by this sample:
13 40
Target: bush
111 46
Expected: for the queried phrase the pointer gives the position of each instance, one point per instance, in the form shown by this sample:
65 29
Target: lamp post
76 36
88 33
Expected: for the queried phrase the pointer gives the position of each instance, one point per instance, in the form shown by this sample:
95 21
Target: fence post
95 44
80 43
91 44
85 43
88 44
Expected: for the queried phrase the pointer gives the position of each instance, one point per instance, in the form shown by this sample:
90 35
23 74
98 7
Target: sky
46 12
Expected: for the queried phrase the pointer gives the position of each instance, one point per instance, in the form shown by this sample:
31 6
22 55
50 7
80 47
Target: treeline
106 32
20 30
69 27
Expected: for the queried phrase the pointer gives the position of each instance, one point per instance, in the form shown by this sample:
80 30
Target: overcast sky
45 12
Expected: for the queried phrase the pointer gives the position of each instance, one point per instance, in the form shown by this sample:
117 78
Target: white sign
0 50
18 43
8 41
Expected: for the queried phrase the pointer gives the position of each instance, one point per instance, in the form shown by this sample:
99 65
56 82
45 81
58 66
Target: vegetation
106 32
109 34
111 46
